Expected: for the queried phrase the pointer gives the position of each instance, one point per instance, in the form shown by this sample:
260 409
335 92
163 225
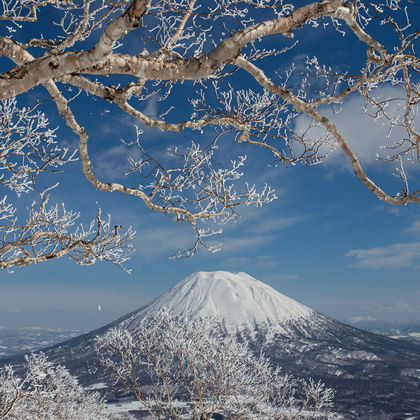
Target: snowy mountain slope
370 373
237 300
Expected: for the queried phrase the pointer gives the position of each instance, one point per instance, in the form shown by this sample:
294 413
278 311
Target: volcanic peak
236 299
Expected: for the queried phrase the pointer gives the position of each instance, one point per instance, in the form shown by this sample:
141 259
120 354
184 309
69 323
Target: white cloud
113 162
393 307
364 134
356 319
272 224
163 241
395 256
287 276
414 227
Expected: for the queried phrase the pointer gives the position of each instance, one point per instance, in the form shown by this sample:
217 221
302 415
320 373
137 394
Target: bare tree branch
49 233
213 48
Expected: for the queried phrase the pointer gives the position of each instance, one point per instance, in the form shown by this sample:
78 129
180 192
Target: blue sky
326 241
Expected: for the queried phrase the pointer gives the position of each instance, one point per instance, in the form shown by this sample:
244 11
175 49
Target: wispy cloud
246 242
414 227
393 307
39 311
274 224
406 307
258 261
287 276
367 136
163 241
356 319
113 162
254 228
394 256
13 310
274 278
263 221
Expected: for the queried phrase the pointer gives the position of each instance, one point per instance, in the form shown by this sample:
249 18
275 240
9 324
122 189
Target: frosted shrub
47 392
182 370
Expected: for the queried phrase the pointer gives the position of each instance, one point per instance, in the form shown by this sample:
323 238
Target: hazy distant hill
409 331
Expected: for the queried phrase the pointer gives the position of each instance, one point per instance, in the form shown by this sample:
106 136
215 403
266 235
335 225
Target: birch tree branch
221 59
37 71
310 109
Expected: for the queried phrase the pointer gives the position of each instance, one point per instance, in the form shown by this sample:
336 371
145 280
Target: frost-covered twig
211 48
28 147
52 232
48 392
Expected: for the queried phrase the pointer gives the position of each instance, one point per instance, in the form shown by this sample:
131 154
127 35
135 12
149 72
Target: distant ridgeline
21 340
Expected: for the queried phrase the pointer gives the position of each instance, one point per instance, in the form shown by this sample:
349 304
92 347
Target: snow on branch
52 232
48 392
191 186
221 65
28 147
22 10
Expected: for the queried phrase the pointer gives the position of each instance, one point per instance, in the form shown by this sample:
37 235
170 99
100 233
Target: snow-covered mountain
370 373
236 300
